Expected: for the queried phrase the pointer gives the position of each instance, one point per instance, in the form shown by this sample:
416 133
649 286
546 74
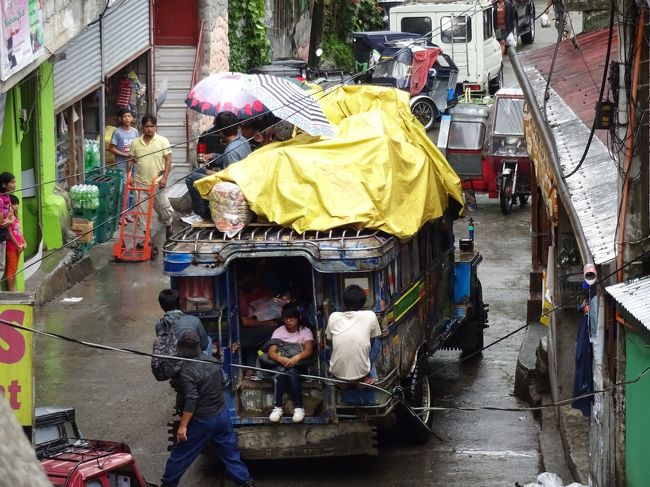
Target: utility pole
316 33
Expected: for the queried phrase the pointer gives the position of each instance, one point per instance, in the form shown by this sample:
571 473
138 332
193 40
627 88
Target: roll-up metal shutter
126 33
80 72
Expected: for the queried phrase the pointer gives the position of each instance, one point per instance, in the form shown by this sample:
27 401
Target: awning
570 108
634 296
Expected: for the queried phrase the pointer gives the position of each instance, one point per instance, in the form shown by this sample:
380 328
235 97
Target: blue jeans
122 166
294 385
217 429
199 205
375 348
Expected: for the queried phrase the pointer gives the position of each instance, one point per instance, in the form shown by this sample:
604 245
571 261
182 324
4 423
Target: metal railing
190 116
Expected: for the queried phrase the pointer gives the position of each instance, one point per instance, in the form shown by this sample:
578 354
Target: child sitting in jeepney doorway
291 347
354 335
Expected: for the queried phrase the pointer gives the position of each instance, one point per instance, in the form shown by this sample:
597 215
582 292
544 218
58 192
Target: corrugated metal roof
570 113
578 72
634 296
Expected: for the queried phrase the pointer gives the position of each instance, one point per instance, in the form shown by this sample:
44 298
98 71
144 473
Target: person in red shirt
15 245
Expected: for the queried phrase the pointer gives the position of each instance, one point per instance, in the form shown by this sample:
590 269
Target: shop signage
16 379
22 34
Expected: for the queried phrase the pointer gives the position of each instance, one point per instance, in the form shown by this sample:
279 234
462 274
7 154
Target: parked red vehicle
72 461
485 145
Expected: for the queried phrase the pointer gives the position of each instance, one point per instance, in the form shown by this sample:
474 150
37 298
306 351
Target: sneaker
298 415
129 219
276 414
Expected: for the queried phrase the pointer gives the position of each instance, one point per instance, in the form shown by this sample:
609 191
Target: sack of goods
229 209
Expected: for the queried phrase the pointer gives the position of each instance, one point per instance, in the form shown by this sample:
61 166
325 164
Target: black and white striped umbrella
248 95
290 102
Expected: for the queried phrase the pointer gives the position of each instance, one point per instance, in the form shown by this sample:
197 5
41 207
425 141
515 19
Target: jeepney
426 295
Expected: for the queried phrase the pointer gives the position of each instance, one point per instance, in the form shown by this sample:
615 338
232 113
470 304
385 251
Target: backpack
165 344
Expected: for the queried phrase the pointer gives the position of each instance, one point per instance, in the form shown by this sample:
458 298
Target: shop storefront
104 68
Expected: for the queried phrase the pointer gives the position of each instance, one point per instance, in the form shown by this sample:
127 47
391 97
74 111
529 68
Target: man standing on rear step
152 156
205 417
237 148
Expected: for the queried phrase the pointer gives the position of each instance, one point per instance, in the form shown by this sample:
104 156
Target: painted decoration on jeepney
409 299
22 34
16 380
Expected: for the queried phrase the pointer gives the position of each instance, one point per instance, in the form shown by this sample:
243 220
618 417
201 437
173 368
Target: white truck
464 30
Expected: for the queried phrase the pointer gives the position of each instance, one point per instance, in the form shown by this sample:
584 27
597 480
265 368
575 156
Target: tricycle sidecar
506 148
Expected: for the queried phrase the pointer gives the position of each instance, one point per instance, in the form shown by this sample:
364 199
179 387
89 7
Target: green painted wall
30 144
53 206
637 419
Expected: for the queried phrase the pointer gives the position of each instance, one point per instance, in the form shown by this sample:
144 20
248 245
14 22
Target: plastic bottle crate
108 188
85 247
85 213
104 233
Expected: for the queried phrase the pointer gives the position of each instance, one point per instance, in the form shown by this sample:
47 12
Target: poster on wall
22 34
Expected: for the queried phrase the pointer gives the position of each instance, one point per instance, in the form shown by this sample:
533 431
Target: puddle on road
499 453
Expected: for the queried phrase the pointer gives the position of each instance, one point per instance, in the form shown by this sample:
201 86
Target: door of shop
175 25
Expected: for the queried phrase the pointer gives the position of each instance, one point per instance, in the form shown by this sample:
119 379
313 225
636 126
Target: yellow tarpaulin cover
381 170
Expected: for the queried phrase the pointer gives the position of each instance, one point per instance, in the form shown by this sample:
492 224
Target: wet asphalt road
116 397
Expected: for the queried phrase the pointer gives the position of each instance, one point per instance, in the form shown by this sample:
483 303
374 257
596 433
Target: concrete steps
173 67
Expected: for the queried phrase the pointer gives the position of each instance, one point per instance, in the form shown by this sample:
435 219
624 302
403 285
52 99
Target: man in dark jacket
204 417
504 21
170 303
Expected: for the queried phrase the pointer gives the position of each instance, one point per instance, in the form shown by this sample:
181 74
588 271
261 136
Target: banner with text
22 34
16 377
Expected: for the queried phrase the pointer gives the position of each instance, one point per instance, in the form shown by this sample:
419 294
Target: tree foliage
247 36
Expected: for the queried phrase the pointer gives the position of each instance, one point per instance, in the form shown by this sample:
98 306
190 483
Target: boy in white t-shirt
353 334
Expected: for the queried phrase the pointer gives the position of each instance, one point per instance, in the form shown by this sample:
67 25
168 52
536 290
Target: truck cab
465 31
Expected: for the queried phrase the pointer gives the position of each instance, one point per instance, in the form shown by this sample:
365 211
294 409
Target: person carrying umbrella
237 148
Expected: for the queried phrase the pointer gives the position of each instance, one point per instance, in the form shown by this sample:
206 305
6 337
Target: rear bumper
307 440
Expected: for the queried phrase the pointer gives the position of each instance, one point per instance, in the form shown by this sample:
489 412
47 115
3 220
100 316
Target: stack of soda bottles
85 202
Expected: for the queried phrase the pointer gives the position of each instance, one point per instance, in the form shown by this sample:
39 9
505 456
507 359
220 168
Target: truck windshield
417 25
509 117
456 29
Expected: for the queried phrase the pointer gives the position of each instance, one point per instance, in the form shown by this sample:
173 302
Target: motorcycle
486 147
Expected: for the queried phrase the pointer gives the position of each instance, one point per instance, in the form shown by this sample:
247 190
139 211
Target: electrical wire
600 96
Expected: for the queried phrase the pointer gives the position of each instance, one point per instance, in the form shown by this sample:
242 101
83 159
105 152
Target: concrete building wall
64 19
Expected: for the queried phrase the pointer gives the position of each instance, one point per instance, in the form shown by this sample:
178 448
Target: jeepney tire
425 111
417 393
529 37
496 83
505 194
474 341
